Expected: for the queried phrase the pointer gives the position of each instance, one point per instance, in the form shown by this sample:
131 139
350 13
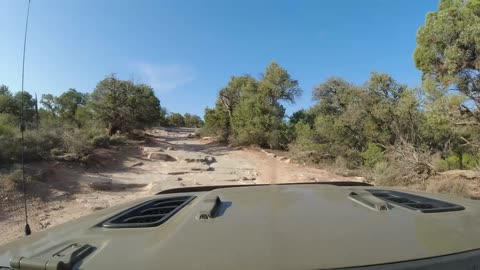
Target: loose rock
137 164
161 156
101 184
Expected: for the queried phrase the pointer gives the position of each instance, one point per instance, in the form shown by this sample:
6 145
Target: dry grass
11 181
445 184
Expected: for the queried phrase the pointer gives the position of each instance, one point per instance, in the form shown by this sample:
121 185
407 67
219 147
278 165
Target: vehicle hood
266 227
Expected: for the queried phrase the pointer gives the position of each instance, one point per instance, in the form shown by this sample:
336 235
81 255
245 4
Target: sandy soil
116 175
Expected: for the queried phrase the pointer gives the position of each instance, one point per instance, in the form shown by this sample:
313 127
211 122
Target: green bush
385 174
101 141
8 140
38 143
303 134
372 155
76 142
353 158
452 162
118 139
470 161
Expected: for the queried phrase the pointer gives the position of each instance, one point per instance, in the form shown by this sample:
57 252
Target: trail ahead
169 158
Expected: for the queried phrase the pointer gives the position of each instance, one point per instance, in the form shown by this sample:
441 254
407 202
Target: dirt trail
170 158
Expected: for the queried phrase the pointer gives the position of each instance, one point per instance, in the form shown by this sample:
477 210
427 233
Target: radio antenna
22 129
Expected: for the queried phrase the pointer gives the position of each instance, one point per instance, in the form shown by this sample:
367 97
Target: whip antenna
22 130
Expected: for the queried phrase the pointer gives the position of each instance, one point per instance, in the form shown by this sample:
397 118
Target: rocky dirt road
170 158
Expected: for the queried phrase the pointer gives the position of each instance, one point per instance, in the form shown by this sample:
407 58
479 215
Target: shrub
136 134
76 142
100 141
39 143
354 159
452 162
8 141
118 139
340 163
439 163
12 180
470 161
454 186
372 155
384 174
303 134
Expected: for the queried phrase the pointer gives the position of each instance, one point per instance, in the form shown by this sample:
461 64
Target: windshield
120 100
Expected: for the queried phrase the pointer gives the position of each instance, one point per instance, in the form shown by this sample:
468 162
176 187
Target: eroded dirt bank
170 158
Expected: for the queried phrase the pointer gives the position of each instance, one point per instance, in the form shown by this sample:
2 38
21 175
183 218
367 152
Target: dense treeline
186 120
73 123
382 126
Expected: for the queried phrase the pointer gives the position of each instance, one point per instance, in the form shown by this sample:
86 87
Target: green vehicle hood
265 227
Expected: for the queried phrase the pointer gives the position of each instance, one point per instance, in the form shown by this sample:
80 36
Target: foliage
101 141
384 174
118 139
75 122
249 111
358 122
217 123
455 161
302 115
373 155
193 120
122 105
12 104
69 103
176 120
448 52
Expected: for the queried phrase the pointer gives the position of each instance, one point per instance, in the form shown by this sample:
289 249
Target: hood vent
149 214
415 202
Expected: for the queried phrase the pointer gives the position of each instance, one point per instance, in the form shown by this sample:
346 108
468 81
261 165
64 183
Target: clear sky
187 50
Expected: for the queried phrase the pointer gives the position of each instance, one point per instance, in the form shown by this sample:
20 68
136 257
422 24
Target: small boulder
360 179
210 159
147 150
67 157
245 178
98 207
100 183
161 156
137 164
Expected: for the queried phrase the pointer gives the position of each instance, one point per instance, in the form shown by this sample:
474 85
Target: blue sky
187 50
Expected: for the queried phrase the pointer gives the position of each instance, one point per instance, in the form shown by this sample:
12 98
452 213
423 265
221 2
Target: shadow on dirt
51 181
